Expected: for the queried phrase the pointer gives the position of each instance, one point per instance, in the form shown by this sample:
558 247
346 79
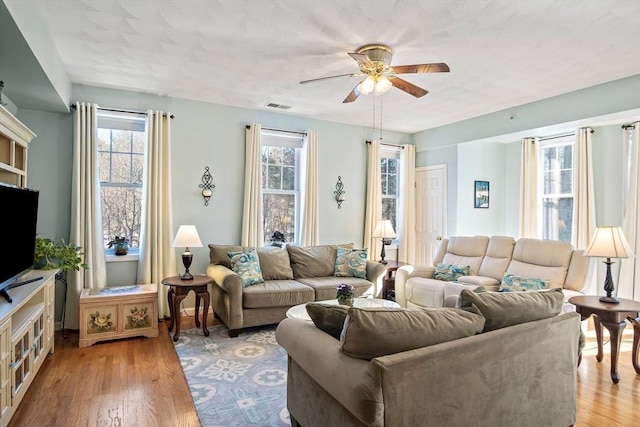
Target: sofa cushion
511 283
276 293
374 332
274 263
246 264
313 261
218 254
449 272
544 259
502 309
351 263
326 287
328 317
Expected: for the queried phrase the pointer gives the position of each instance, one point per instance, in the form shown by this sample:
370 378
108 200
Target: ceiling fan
374 61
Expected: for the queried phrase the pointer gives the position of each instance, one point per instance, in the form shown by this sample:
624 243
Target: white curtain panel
252 227
529 189
157 259
310 233
373 208
407 249
629 281
86 217
584 204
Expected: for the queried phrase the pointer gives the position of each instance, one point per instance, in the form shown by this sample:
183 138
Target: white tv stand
26 336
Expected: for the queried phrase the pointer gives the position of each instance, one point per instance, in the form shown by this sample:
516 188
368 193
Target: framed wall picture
481 194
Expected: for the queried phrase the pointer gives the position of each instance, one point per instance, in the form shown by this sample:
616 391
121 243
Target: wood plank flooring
139 382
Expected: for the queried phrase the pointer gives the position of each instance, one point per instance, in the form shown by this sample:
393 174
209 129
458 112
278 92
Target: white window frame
390 152
126 122
275 138
547 143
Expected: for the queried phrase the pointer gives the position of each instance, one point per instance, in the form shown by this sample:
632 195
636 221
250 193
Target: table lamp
384 230
608 242
186 237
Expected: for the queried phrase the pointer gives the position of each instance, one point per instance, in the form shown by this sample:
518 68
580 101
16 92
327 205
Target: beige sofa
519 375
293 275
489 260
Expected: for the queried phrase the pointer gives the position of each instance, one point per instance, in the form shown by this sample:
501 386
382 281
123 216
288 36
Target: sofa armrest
375 274
486 282
406 272
226 279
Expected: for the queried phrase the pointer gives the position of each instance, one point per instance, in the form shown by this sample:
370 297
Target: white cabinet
26 337
14 142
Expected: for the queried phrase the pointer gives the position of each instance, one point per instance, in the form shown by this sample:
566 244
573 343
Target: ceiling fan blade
410 88
330 77
353 95
439 67
361 59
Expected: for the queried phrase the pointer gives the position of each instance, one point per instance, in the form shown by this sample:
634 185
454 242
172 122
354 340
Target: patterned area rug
236 381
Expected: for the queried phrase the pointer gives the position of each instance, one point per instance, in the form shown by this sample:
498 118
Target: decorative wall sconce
207 186
339 192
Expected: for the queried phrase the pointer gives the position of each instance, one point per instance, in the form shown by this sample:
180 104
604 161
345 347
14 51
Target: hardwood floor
139 382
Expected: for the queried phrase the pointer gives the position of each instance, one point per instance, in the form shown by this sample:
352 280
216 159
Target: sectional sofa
292 275
489 260
510 362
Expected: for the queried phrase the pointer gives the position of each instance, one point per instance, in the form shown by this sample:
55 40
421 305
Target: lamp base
187 257
186 276
609 299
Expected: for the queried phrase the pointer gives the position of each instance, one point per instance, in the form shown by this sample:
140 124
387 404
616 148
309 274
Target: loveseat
516 368
292 275
489 260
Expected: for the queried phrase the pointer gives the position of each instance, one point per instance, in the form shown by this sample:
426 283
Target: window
121 149
281 183
557 187
389 179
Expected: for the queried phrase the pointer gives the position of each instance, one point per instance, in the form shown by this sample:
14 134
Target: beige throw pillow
502 309
218 254
274 263
374 332
313 261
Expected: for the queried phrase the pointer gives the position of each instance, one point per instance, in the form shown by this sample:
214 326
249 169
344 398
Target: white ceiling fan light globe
382 86
367 85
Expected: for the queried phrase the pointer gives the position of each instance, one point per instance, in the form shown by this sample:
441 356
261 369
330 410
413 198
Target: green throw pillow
450 272
502 309
511 283
246 264
328 318
374 332
351 263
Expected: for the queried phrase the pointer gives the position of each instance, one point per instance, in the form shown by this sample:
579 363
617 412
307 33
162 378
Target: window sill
111 257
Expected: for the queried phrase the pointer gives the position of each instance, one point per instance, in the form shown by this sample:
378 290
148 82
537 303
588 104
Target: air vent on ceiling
279 106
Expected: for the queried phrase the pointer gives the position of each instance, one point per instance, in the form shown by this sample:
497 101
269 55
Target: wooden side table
178 290
389 284
612 317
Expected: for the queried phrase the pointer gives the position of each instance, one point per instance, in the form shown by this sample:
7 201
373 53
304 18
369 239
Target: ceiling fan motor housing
377 53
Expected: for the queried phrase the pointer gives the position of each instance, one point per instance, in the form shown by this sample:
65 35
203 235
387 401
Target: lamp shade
384 230
608 242
187 236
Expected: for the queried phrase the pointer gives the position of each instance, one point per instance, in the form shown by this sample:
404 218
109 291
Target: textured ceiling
250 53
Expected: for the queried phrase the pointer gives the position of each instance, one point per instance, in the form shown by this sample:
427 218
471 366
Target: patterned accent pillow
511 283
351 263
246 264
450 272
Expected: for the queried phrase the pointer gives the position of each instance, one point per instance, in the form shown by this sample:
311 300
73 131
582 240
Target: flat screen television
18 217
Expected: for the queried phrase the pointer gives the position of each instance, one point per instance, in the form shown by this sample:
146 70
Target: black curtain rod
142 113
279 130
630 125
388 145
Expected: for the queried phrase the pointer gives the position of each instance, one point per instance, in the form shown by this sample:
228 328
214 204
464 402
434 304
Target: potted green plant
345 294
277 239
120 244
57 254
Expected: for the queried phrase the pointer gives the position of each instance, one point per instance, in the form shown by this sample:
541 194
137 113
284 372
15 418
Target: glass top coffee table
300 311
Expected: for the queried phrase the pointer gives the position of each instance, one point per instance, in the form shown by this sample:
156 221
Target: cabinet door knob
439 238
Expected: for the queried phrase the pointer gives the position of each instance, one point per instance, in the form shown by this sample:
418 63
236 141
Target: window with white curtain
121 151
390 185
281 183
556 177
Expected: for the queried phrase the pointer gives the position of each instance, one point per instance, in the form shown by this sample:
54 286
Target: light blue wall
204 134
463 147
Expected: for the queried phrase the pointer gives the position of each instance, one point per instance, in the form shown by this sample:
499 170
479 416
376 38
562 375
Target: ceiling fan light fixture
367 85
383 84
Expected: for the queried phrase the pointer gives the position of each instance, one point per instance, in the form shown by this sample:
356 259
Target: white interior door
431 211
